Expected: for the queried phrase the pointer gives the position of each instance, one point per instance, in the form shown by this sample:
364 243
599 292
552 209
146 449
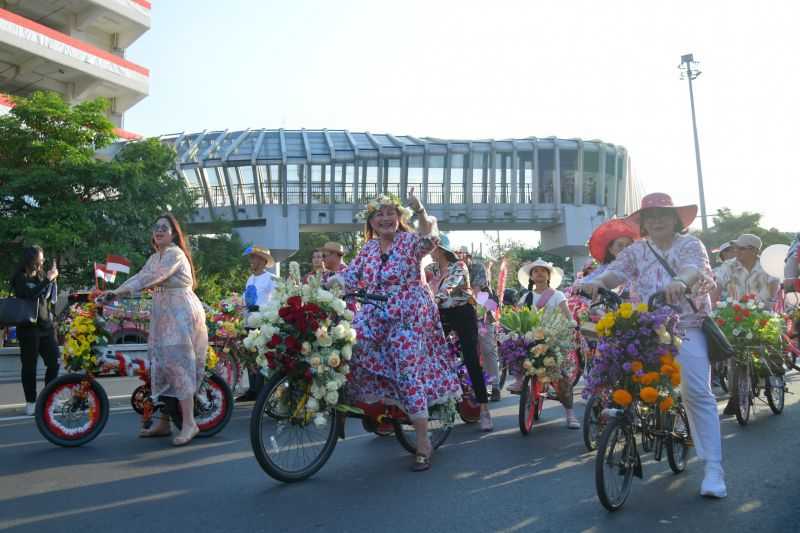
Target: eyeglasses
163 228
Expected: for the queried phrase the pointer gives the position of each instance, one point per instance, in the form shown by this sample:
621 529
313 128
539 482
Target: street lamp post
690 72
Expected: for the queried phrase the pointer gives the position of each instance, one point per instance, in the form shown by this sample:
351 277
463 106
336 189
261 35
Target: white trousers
700 403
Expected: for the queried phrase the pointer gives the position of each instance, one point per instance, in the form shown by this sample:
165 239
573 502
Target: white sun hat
524 273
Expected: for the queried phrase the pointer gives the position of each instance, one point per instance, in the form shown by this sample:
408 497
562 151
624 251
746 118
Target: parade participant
480 279
317 265
450 284
742 276
257 292
178 340
607 241
542 280
31 282
402 356
332 254
790 269
664 225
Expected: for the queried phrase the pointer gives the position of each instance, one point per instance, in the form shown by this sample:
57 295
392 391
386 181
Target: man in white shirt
257 292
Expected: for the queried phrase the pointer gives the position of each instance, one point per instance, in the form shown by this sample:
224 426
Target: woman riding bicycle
450 283
401 357
178 338
664 226
542 279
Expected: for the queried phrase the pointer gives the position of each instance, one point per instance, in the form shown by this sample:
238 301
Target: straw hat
264 253
659 200
524 273
333 247
608 232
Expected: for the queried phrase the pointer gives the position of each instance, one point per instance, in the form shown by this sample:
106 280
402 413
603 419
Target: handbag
719 347
18 311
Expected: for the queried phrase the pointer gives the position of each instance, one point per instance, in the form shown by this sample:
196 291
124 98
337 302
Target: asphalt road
500 481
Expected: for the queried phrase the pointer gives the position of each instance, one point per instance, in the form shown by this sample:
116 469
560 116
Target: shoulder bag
719 347
18 311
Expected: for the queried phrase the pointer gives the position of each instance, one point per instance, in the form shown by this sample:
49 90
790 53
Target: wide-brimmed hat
659 200
748 240
524 272
444 245
333 247
608 232
264 253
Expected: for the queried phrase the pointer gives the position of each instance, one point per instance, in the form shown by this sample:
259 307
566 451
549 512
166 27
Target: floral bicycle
757 336
535 345
73 409
226 331
636 366
305 342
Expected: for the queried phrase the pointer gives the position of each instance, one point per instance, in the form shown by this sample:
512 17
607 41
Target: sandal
182 441
422 462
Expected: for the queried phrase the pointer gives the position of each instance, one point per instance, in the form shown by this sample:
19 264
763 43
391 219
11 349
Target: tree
55 192
219 265
728 226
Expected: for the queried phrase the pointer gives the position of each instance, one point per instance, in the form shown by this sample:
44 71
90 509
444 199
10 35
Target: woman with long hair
31 282
178 339
402 357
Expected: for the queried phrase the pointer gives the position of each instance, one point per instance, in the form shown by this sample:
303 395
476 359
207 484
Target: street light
690 72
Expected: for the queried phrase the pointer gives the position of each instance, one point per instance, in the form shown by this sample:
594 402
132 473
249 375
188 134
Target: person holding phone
31 282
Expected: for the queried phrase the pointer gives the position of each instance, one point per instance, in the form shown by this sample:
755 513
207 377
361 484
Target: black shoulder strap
669 270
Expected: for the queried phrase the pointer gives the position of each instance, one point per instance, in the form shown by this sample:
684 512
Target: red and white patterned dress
401 357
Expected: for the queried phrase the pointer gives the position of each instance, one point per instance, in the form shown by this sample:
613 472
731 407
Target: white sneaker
713 484
30 409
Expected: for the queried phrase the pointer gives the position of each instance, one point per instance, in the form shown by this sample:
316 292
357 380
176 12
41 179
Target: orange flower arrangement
649 394
665 404
622 397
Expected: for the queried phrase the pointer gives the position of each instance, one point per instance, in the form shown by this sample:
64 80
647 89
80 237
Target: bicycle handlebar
367 296
608 297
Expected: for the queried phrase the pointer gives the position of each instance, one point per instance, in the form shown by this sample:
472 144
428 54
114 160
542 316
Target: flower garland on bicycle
401 357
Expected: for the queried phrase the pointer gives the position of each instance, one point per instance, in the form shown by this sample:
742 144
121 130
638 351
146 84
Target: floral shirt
734 277
451 288
638 265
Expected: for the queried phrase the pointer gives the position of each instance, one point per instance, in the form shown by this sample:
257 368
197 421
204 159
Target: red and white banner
117 263
501 283
100 271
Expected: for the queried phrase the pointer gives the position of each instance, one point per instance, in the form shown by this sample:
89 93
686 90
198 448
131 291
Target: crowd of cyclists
402 352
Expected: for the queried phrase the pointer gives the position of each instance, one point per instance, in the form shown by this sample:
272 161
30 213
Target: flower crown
383 200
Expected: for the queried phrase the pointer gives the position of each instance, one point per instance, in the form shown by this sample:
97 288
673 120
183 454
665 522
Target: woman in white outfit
664 227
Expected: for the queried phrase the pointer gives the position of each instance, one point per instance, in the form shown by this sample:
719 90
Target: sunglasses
163 228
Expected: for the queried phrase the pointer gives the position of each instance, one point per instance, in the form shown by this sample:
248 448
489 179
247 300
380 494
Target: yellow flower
648 394
622 397
626 310
642 308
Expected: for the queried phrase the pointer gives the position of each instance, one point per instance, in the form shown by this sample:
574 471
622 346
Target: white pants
700 403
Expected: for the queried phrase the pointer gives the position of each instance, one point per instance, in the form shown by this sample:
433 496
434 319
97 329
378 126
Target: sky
469 70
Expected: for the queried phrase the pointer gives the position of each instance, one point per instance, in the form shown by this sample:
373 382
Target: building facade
75 48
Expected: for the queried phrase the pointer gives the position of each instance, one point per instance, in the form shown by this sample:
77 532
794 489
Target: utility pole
690 72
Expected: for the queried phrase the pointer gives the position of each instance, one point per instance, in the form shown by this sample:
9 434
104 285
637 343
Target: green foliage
728 226
54 191
219 265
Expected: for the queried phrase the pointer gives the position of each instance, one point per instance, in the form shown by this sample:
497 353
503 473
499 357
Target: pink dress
401 356
178 338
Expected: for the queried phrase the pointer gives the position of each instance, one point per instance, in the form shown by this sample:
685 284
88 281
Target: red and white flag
117 263
102 272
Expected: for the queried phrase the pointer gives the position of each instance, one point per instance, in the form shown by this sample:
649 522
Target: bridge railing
319 193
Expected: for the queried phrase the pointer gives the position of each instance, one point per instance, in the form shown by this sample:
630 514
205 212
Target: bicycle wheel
288 449
775 390
72 410
502 373
213 405
742 389
228 369
406 435
530 403
678 442
614 465
592 423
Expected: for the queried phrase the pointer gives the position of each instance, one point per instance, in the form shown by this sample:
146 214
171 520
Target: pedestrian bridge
273 184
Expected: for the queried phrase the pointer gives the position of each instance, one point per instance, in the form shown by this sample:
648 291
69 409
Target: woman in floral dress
402 358
178 338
